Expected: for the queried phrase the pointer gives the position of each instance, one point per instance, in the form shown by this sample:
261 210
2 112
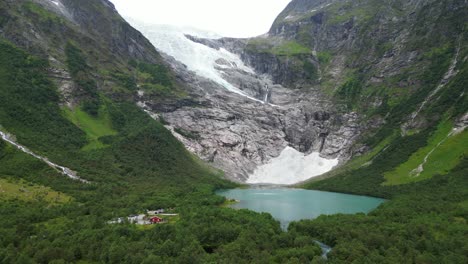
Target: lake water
287 204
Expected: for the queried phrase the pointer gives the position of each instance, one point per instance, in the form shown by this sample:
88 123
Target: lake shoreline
288 204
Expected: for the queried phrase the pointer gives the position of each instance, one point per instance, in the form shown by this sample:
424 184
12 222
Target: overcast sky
229 18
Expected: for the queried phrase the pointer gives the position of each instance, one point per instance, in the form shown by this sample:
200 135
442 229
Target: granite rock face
237 134
324 67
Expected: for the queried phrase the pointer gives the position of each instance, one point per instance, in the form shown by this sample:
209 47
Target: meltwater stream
63 170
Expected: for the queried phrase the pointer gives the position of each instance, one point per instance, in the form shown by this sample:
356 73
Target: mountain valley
359 97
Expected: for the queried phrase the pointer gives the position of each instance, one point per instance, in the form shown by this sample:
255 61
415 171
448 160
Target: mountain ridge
386 78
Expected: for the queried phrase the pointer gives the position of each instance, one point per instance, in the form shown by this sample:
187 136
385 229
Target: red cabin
155 220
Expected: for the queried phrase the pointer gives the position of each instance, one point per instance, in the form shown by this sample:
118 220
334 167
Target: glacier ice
197 57
291 167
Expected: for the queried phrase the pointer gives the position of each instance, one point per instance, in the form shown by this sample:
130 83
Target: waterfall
63 170
416 172
451 72
267 91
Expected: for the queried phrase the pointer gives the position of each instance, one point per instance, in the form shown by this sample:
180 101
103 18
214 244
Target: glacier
291 167
197 57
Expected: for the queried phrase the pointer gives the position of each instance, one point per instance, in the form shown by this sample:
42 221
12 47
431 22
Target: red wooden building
155 220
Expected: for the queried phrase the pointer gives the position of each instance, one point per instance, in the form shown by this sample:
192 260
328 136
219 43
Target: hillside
401 66
349 77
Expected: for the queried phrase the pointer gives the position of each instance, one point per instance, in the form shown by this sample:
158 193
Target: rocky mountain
240 130
339 77
70 74
325 79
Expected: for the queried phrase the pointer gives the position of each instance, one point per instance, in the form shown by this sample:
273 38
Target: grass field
291 48
25 191
94 127
443 153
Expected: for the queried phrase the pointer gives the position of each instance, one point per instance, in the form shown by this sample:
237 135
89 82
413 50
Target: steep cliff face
347 75
400 63
70 72
238 135
386 48
113 50
106 26
240 131
333 77
89 23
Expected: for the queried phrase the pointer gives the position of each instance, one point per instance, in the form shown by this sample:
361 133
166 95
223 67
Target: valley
355 110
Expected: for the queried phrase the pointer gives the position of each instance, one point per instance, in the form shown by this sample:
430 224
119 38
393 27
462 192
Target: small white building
155 212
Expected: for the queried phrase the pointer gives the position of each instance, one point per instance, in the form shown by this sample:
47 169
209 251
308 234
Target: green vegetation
42 14
127 81
297 58
187 134
29 104
24 191
135 164
158 74
227 203
260 45
443 152
350 92
427 223
290 48
368 179
343 12
283 48
324 57
96 128
155 80
309 70
81 73
402 155
143 166
357 162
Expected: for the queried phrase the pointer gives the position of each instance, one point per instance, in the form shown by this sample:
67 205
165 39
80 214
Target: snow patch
292 167
58 7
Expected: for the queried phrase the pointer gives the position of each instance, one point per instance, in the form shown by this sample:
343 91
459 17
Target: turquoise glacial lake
287 204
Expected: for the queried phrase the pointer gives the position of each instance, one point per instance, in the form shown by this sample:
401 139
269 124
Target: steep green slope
30 104
426 223
417 157
398 162
30 111
401 65
444 150
92 125
95 127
